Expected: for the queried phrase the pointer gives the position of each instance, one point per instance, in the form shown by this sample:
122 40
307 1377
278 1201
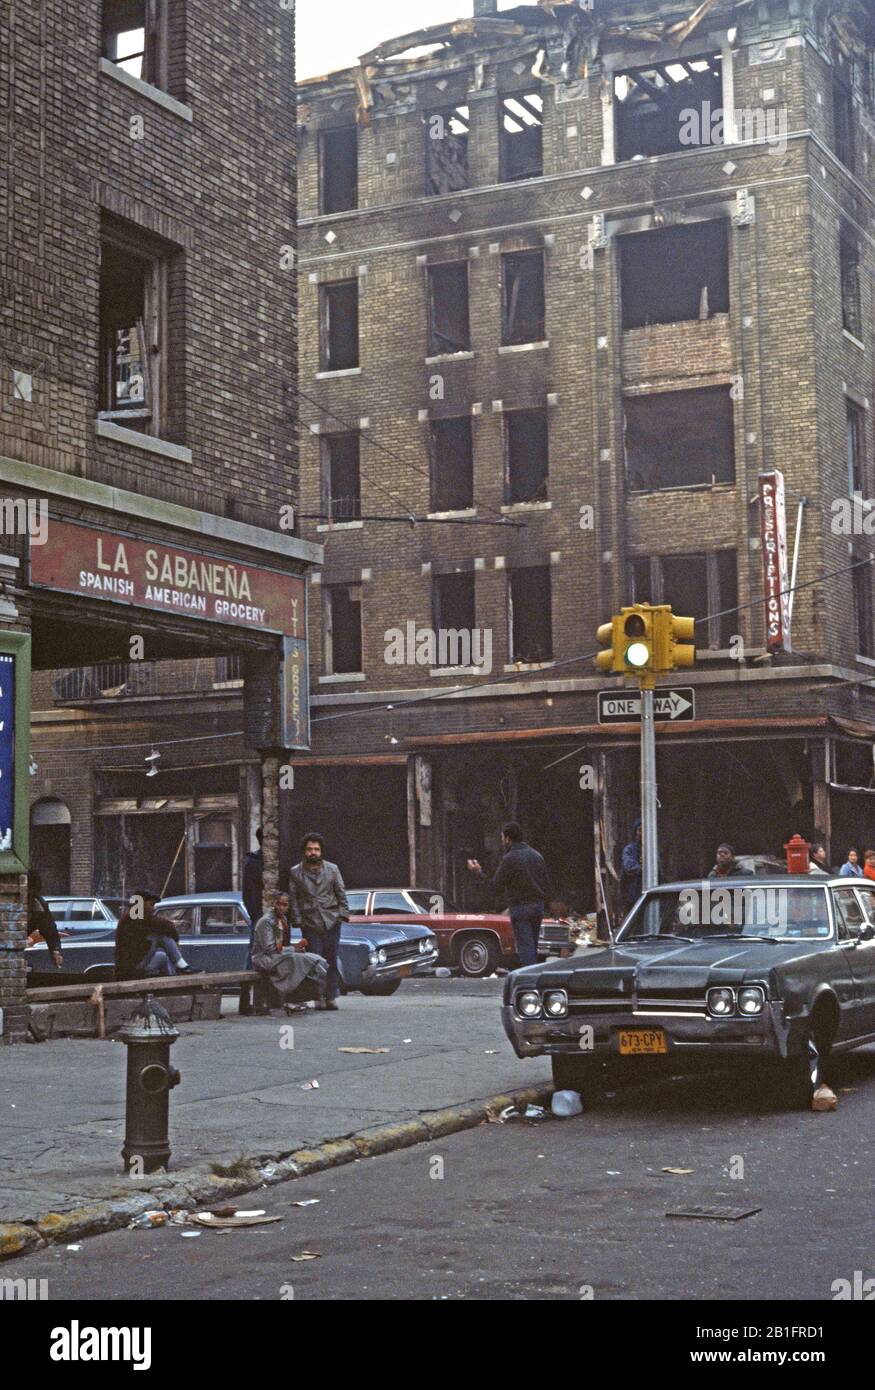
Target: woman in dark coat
287 966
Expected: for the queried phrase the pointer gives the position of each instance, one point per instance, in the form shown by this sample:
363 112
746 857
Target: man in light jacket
318 907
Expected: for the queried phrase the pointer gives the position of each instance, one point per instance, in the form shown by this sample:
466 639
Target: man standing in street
253 893
318 907
631 870
521 881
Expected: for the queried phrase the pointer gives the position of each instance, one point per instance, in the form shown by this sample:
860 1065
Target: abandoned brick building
577 281
148 458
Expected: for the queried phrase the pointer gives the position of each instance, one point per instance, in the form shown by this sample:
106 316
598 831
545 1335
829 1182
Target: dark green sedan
776 973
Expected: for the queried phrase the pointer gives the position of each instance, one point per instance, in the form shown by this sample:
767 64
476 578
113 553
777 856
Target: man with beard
318 907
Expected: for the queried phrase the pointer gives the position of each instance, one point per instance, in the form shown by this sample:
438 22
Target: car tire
382 989
478 957
800 1075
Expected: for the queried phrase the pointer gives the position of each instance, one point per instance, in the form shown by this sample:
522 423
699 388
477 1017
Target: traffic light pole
649 840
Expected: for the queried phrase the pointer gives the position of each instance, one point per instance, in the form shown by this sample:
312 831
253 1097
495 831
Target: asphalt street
557 1209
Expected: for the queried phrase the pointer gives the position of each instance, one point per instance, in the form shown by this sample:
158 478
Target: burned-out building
581 286
151 565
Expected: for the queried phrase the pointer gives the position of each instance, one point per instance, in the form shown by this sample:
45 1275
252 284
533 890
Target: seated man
294 972
147 945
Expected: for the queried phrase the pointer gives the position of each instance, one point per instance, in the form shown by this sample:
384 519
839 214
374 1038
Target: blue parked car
214 936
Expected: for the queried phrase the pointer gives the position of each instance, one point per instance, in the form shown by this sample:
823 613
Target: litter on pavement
305 1255
310 1086
240 1218
363 1049
566 1103
715 1213
680 1172
308 1202
824 1098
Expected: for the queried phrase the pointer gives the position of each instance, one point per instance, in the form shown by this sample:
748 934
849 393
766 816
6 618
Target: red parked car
472 942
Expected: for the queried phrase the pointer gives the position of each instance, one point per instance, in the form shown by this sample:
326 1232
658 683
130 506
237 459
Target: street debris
307 1202
147 1219
407 1040
358 1050
531 1112
714 1213
824 1098
190 1235
443 972
74 1247
491 1052
566 1103
310 1086
305 1255
239 1218
679 1172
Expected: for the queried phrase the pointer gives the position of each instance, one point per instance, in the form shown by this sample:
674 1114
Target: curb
194 1187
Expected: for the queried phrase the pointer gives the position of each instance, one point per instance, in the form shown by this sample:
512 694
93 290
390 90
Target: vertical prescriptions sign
776 581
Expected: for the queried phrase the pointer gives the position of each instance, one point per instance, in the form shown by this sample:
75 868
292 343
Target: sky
333 33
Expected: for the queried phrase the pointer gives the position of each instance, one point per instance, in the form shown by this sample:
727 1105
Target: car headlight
556 1003
751 1000
425 946
528 1003
382 957
721 1002
374 958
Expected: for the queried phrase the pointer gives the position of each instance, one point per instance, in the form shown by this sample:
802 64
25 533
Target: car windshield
703 910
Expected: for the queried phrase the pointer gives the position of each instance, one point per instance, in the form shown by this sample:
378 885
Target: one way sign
675 706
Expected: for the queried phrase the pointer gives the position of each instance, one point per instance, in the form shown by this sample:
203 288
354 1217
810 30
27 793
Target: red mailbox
797 855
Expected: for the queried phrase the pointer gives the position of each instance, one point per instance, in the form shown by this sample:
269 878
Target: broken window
343 629
668 107
675 274
133 331
852 316
448 322
530 619
843 118
452 465
453 610
446 150
339 325
341 497
526 456
522 307
697 586
680 439
338 169
522 144
135 38
862 580
856 436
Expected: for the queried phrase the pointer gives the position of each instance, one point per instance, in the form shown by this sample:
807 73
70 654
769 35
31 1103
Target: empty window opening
675 274
339 323
668 107
852 316
856 436
338 169
452 465
522 136
134 38
522 279
341 498
862 579
844 142
449 327
454 610
680 439
530 619
446 150
132 337
698 586
343 629
526 443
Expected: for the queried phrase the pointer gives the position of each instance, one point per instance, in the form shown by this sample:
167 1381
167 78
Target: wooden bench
98 995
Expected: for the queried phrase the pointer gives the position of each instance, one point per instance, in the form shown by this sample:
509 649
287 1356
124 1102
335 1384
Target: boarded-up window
339 325
526 444
448 321
522 277
522 155
338 170
343 629
452 465
446 150
852 316
341 496
675 274
668 106
530 620
680 439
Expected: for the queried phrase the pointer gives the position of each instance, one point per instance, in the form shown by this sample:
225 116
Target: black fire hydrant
148 1035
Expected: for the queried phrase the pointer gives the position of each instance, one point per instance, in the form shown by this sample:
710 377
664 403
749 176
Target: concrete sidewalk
62 1103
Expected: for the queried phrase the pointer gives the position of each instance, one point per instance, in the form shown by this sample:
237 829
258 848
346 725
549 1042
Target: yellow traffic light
629 637
675 638
606 661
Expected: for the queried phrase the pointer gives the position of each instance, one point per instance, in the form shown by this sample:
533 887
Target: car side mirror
866 932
